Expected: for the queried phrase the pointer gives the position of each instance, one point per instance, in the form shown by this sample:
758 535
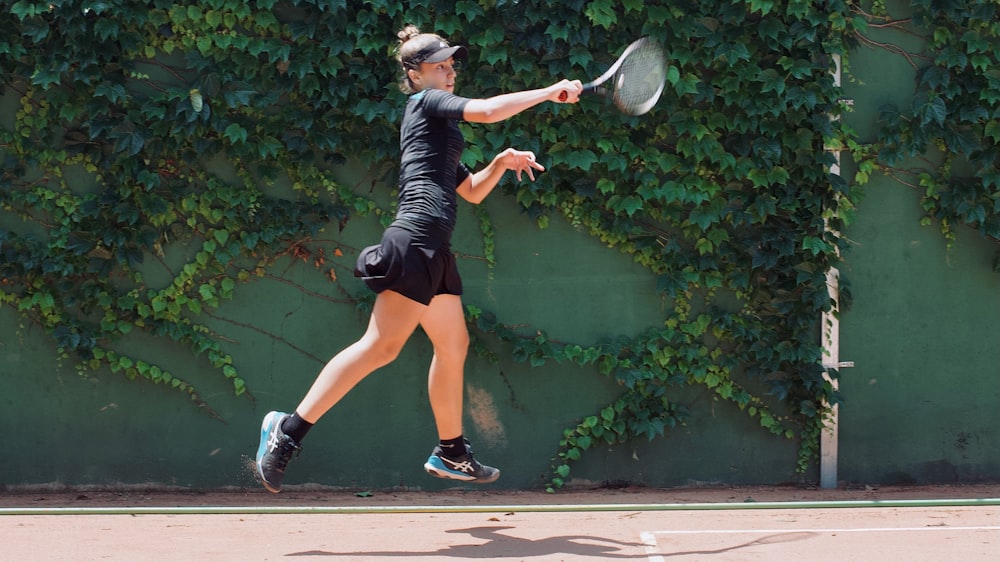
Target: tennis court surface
942 523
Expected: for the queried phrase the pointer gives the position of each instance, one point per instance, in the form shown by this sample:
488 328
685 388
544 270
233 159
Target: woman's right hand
566 91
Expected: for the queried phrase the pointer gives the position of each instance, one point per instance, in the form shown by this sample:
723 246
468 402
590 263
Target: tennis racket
636 80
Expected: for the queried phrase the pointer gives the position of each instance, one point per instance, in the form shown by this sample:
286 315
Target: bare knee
454 348
381 352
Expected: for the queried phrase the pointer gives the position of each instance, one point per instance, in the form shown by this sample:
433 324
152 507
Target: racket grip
563 95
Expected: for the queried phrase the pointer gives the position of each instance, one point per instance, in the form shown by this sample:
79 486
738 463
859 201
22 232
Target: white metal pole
828 440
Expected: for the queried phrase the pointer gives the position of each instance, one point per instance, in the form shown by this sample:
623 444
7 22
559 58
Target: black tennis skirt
411 265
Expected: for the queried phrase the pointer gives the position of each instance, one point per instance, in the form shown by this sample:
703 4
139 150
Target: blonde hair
411 42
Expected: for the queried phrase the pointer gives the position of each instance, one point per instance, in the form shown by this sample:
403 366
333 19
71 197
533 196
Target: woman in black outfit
413 269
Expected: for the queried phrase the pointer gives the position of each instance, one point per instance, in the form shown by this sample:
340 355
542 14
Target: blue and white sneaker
274 452
465 467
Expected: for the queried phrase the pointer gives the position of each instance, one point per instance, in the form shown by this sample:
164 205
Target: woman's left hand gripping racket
635 81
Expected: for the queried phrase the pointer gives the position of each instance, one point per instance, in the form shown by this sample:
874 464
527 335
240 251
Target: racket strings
640 79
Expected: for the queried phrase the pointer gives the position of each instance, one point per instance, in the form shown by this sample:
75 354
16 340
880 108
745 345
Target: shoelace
285 449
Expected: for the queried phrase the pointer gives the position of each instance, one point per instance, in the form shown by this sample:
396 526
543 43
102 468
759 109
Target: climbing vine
156 132
945 144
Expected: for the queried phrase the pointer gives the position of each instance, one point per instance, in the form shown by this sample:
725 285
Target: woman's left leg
444 324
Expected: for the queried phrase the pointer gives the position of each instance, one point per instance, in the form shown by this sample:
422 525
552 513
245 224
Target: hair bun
407 33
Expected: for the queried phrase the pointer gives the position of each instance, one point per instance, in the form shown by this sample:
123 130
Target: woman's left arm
477 186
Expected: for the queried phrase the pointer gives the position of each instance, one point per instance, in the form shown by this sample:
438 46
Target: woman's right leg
393 320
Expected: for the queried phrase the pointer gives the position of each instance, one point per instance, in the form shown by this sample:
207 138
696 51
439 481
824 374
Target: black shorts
412 267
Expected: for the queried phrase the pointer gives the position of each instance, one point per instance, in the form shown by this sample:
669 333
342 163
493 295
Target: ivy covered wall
166 161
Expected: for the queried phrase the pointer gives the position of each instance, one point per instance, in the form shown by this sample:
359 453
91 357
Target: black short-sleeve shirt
431 170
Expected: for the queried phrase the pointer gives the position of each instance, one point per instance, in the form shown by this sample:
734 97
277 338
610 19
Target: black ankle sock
295 427
453 448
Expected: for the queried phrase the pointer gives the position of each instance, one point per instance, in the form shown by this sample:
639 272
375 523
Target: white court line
652 547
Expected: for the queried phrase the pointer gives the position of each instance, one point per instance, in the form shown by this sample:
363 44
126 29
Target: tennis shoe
274 451
465 467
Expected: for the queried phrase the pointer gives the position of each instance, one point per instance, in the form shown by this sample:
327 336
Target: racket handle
587 89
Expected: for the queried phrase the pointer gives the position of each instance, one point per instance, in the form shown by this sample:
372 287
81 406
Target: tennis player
413 269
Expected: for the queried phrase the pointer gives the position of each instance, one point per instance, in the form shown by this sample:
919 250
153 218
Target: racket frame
594 86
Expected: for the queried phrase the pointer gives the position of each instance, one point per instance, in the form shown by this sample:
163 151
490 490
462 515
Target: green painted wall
923 400
924 333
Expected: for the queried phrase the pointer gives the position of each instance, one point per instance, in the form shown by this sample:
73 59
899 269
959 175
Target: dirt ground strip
495 525
307 496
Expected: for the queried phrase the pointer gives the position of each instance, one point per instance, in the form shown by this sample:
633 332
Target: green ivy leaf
601 13
815 245
236 133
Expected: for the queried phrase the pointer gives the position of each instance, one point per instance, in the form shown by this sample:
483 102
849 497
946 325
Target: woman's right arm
505 106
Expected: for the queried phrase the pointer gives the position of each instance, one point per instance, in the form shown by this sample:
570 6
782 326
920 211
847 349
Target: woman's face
436 75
